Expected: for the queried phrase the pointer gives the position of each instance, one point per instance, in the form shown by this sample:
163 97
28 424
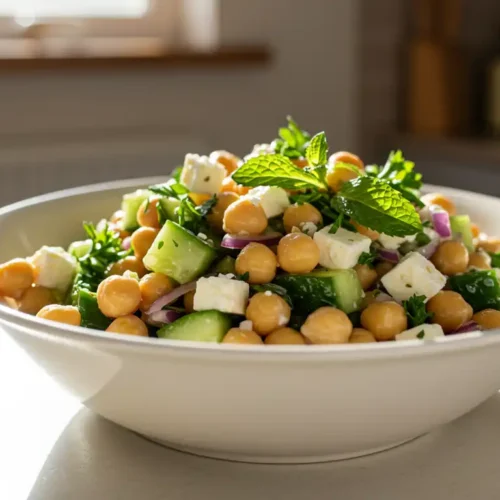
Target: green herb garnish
317 151
293 140
416 311
368 258
160 245
276 289
421 334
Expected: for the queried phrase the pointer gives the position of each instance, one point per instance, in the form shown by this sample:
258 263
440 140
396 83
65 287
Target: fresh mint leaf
275 170
317 151
205 208
372 170
375 204
368 258
349 166
293 140
288 136
422 239
336 225
176 174
171 189
416 311
276 289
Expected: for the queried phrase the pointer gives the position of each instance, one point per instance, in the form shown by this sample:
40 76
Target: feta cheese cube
202 175
54 268
394 242
414 275
308 228
273 200
222 294
422 332
342 249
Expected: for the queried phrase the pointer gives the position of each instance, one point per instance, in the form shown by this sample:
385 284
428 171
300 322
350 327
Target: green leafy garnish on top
317 151
376 205
293 140
276 170
416 311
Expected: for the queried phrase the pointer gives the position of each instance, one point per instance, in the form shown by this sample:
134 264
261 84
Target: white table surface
53 449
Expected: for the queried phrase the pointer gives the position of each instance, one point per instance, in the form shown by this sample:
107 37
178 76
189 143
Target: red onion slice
164 317
441 223
236 242
470 326
171 297
126 243
389 255
428 250
383 297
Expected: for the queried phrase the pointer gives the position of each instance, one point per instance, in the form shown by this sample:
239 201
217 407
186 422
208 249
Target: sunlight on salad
289 245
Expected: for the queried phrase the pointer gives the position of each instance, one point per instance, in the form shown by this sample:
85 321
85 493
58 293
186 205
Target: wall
59 130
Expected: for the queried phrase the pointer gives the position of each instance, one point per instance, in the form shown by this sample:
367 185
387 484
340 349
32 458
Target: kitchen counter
53 449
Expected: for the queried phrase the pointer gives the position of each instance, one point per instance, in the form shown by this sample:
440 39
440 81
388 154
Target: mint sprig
276 170
317 151
375 204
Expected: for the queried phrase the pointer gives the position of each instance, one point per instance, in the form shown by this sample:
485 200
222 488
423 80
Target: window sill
137 56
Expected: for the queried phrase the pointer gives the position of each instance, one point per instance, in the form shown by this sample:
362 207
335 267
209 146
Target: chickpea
327 325
152 287
267 312
129 325
384 319
285 336
441 200
118 296
487 319
451 258
382 268
449 310
16 276
365 231
296 215
475 230
361 336
338 176
491 245
346 157
239 336
189 301
62 314
130 263
147 214
141 241
366 275
298 253
480 260
35 298
216 216
229 161
245 218
199 198
300 162
259 262
228 185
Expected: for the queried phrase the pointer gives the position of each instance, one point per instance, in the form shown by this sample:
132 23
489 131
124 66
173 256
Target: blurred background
95 90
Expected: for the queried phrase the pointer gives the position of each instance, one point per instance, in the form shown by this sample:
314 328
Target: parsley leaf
106 248
317 151
399 173
276 170
336 225
273 288
171 189
368 258
242 277
416 311
376 205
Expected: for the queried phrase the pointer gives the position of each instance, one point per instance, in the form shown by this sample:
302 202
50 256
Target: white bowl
272 404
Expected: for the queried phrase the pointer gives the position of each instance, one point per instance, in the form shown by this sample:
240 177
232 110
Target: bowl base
257 459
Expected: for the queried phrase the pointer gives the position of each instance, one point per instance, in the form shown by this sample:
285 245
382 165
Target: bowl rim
60 332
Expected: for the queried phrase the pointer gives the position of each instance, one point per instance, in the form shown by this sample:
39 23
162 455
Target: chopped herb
146 206
276 289
317 150
293 140
207 178
415 310
495 259
175 243
421 334
160 245
422 239
336 225
368 258
242 277
408 285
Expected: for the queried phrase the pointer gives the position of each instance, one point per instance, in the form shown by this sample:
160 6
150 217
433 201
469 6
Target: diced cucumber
225 265
480 289
169 206
461 226
202 326
130 206
495 260
339 287
80 248
92 317
179 254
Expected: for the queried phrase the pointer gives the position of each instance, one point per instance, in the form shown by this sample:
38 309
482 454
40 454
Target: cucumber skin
182 256
480 289
92 317
225 265
461 224
193 327
130 206
318 289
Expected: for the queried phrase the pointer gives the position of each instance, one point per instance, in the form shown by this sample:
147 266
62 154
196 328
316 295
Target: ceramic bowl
271 404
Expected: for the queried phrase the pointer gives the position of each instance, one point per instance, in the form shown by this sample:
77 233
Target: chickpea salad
288 245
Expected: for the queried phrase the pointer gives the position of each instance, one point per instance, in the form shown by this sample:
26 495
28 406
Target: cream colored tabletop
53 449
